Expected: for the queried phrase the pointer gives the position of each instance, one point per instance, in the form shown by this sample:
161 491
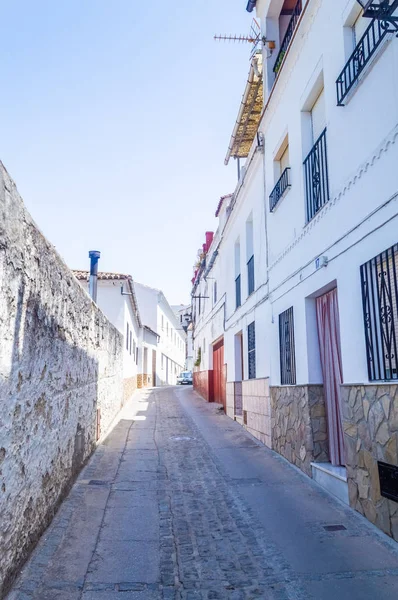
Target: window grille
379 284
287 350
251 347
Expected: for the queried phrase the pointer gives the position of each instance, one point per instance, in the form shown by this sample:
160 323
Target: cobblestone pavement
181 503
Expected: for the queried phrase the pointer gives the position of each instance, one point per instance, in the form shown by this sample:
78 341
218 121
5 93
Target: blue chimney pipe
94 257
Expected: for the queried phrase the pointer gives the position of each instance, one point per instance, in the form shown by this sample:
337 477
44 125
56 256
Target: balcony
280 189
238 298
316 177
296 12
250 276
359 59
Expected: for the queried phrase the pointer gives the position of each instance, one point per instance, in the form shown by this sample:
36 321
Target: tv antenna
254 37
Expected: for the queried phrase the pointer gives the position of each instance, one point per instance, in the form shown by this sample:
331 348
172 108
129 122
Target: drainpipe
94 257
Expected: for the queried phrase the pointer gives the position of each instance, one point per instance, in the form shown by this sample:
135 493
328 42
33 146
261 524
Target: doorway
327 316
238 397
218 373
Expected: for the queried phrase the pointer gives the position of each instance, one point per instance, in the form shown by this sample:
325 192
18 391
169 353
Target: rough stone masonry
60 367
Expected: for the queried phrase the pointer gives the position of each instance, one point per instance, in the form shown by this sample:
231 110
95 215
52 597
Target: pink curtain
327 313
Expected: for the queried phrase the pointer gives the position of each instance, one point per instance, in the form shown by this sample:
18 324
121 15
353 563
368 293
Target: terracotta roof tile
84 275
219 206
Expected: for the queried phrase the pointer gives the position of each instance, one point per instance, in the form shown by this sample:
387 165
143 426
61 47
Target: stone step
331 478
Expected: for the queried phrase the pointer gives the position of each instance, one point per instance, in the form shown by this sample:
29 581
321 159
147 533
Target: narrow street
181 502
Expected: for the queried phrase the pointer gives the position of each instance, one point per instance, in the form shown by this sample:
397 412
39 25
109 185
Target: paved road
181 503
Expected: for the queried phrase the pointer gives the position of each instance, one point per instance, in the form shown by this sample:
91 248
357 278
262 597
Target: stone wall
60 361
370 422
129 387
298 424
230 399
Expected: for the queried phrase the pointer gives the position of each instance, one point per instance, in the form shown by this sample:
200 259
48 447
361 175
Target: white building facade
158 315
117 300
183 313
305 256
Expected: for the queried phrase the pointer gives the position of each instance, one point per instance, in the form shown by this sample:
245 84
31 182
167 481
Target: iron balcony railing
359 59
238 300
250 276
288 35
282 185
316 177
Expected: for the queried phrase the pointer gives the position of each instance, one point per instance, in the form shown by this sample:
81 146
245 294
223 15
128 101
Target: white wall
356 224
157 314
118 309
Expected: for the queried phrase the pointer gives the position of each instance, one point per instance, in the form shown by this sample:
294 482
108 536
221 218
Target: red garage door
219 372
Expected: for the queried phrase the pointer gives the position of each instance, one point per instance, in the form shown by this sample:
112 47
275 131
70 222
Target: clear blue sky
115 120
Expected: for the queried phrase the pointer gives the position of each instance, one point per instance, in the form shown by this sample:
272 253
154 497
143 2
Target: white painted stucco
358 222
159 316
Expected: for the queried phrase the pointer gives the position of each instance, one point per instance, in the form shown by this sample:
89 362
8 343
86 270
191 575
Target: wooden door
219 373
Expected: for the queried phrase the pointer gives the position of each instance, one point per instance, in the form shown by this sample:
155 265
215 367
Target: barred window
379 284
287 351
127 337
250 276
251 348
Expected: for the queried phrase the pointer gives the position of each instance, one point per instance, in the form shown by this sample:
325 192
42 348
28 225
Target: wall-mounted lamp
382 10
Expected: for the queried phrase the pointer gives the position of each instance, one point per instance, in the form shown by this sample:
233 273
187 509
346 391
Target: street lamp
382 10
378 9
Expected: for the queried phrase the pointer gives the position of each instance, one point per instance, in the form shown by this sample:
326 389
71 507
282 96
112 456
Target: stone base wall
370 422
129 387
139 381
61 380
257 409
254 399
298 424
230 399
203 384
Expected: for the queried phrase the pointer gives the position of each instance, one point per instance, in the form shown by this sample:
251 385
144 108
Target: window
287 350
134 351
316 163
250 255
162 361
295 14
238 299
318 116
136 355
379 281
358 29
131 341
162 323
281 173
251 349
237 274
250 276
367 37
127 337
215 292
167 329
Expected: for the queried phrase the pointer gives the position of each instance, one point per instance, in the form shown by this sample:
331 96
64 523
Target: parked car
185 378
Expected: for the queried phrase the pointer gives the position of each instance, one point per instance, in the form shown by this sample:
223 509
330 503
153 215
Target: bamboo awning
250 110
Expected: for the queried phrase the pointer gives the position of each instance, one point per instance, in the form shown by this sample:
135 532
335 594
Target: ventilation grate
334 528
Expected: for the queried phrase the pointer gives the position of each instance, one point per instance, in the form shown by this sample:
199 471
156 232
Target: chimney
94 257
209 239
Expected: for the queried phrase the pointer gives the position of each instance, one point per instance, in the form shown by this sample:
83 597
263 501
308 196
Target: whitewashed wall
358 222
